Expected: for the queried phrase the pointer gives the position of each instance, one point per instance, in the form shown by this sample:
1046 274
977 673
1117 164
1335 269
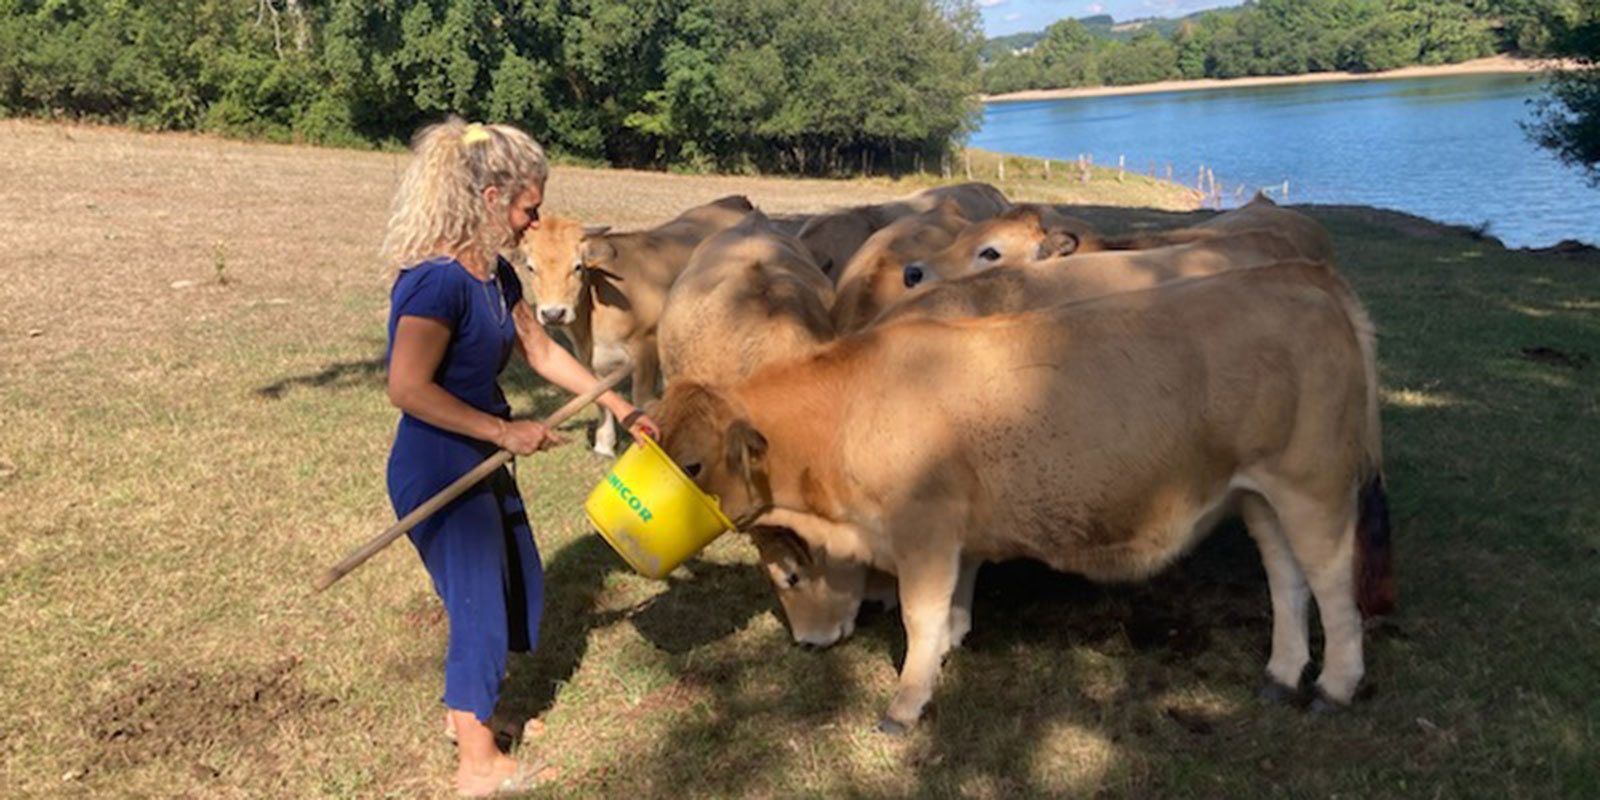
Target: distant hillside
1102 26
993 48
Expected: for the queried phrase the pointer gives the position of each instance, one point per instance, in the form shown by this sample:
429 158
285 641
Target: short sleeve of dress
425 291
511 283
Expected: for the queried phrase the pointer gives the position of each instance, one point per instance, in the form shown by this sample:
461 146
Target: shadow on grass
337 376
703 602
1057 671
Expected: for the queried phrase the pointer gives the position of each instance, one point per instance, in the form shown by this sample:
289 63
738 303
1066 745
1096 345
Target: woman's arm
419 347
556 365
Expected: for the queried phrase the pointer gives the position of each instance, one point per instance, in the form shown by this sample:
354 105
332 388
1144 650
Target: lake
1445 148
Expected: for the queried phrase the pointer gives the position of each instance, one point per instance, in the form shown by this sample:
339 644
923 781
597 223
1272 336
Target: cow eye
577 266
791 580
989 254
692 470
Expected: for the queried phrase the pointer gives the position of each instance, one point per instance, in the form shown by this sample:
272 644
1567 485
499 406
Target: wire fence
1210 191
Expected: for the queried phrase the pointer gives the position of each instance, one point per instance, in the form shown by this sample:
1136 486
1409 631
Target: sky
1001 17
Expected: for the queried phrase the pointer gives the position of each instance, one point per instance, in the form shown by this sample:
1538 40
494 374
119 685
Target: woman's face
524 212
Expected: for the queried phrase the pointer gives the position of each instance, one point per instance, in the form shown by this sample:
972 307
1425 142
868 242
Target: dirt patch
182 717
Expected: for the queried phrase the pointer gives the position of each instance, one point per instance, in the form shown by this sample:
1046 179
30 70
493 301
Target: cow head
820 595
558 252
878 274
1021 235
717 447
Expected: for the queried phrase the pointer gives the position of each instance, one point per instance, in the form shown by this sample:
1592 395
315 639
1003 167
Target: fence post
1002 168
1047 170
1286 191
968 155
1122 167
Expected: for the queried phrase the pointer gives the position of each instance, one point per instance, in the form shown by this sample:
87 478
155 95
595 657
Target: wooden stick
460 485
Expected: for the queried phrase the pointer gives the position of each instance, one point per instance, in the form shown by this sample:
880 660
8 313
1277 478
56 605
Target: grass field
192 427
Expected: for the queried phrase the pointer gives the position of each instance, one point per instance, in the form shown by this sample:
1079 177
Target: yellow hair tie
475 133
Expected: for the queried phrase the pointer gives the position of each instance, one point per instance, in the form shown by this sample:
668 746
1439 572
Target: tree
1567 120
1147 58
1068 55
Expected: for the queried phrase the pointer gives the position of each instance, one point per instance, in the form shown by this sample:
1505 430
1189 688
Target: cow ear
1024 213
949 207
598 251
1057 242
747 455
595 231
782 548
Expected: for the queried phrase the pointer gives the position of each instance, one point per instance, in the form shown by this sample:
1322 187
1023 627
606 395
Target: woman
456 315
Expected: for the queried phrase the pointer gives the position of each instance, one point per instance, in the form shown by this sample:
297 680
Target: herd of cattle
891 395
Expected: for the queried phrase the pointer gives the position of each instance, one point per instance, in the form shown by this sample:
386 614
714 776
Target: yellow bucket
651 513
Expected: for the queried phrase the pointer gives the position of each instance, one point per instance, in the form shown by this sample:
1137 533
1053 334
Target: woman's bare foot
504 727
502 776
483 770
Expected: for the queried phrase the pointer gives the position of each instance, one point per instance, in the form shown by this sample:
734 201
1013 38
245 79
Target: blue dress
479 549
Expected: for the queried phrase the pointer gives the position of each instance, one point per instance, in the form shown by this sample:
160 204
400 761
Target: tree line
1286 37
825 86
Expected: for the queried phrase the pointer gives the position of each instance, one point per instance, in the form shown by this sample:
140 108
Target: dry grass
193 427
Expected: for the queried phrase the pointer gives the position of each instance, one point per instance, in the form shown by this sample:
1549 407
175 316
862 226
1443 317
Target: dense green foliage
820 86
1282 37
1567 120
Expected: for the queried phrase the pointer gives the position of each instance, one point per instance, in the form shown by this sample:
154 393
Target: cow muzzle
825 637
556 315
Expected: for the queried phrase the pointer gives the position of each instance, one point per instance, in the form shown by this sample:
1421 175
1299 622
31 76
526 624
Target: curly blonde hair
439 206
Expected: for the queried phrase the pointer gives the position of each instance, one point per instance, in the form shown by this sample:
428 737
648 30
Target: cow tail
1374 562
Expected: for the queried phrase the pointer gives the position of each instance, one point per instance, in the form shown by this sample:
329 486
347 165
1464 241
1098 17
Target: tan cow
1032 232
833 237
1041 284
607 290
875 276
821 605
1102 437
750 295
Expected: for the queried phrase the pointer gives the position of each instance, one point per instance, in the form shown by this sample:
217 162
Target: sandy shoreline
1492 64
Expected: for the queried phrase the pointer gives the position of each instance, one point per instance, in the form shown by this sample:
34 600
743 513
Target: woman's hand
640 424
524 437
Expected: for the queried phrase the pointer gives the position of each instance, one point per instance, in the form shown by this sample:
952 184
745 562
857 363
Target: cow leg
646 371
1291 647
1322 537
608 357
961 610
927 585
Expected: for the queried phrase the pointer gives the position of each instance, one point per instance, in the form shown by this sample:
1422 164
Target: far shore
1491 64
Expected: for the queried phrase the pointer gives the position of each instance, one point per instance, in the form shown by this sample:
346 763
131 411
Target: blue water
1447 148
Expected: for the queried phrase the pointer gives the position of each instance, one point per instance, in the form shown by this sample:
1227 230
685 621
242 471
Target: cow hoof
1279 694
1322 704
605 454
892 727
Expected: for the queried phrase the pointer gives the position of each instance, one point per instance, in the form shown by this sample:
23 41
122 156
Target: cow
1040 284
749 295
607 290
833 237
1033 232
1102 437
875 277
822 601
